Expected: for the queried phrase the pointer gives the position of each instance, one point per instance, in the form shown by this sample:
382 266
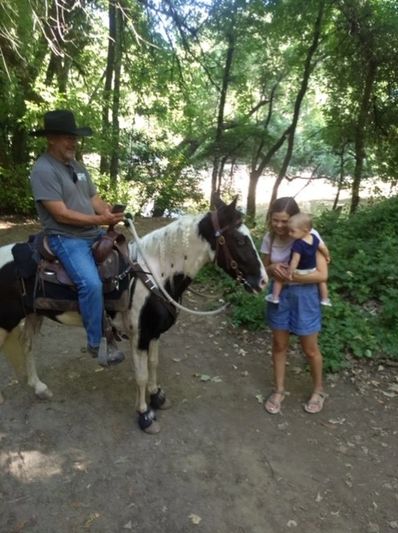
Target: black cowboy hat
61 122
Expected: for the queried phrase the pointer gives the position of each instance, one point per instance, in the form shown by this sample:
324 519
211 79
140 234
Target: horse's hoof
159 400
153 428
166 405
146 420
44 394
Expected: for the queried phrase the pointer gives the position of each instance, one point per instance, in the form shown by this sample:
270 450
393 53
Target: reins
131 227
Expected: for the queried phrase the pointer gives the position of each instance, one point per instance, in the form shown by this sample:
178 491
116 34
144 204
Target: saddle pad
53 297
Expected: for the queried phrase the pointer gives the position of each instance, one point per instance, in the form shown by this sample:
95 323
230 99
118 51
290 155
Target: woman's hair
286 204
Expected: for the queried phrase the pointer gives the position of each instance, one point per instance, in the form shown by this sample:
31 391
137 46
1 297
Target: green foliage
363 284
160 173
15 192
121 192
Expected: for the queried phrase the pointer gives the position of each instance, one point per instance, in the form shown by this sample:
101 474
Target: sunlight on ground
7 224
30 465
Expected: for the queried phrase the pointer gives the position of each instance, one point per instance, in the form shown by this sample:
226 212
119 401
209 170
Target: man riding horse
71 212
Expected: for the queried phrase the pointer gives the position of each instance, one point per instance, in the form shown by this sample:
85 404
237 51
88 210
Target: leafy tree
361 74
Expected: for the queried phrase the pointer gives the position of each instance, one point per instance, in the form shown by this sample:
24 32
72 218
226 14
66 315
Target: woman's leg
309 343
310 346
280 344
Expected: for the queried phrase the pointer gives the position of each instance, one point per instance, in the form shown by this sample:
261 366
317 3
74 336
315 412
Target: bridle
222 249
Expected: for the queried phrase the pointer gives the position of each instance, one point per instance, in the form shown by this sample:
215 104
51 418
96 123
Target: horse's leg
146 416
30 329
157 395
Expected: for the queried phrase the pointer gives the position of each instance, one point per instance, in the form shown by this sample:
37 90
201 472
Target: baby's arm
294 261
324 251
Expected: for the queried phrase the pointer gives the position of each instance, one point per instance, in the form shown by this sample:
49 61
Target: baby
303 256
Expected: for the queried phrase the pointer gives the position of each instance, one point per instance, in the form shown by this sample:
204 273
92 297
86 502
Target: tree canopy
174 89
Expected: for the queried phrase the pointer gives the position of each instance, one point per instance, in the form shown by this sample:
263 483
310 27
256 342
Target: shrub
363 284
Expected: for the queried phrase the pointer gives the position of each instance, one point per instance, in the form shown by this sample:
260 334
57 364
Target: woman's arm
325 251
320 274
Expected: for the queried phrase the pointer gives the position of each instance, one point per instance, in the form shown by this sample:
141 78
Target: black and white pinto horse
174 254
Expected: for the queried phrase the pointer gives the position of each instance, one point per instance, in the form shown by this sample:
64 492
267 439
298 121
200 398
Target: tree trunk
114 164
308 67
220 117
256 173
340 182
251 194
360 133
104 163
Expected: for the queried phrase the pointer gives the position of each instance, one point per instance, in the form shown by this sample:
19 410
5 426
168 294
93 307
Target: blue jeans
76 257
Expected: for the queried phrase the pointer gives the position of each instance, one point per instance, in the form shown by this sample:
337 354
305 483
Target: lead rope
132 229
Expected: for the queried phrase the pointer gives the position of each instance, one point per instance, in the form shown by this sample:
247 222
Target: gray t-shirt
53 180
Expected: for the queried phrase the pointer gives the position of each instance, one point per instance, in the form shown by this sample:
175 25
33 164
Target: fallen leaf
337 420
195 519
389 394
92 518
260 398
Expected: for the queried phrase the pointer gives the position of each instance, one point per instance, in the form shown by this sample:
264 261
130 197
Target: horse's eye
241 241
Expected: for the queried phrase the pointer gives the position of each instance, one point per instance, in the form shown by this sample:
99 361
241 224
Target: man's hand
109 218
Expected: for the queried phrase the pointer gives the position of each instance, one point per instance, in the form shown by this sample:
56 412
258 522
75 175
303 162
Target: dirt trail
79 462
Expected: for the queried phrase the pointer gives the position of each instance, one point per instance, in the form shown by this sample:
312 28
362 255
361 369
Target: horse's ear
219 203
233 203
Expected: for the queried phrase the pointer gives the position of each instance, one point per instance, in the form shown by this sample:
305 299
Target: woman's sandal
315 403
274 401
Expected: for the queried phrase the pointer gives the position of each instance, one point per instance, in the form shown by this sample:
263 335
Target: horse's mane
176 247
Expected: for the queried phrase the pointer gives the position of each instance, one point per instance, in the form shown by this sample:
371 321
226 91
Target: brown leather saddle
107 252
114 266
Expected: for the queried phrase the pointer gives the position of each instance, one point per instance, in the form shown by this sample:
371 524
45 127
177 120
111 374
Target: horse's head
234 249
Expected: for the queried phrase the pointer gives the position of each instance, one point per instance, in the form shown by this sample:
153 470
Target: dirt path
220 464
